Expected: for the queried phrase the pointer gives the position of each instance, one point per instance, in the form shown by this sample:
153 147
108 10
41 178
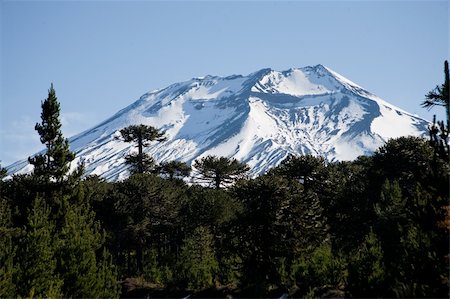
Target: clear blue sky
103 55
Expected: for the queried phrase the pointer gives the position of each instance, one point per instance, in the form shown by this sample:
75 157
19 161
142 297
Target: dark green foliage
209 207
3 172
349 207
439 132
140 163
440 95
174 170
37 250
307 170
219 171
409 228
154 270
84 274
198 264
409 160
319 271
279 221
375 226
366 271
55 163
142 135
8 264
149 206
59 249
214 209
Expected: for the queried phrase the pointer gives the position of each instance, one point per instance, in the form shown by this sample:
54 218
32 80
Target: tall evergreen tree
142 135
439 132
198 264
38 254
279 221
84 265
219 171
8 263
148 206
366 273
308 170
54 164
440 95
174 169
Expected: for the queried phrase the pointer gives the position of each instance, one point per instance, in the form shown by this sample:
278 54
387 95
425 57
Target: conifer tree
80 241
38 254
7 251
148 206
174 169
219 171
279 220
440 95
439 131
198 263
142 135
3 172
54 164
366 277
307 170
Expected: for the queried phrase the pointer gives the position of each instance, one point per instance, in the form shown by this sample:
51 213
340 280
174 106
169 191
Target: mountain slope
258 119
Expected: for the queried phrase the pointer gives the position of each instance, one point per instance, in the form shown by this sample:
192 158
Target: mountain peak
258 119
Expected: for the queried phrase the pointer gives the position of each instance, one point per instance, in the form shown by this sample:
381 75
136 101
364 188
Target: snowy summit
258 119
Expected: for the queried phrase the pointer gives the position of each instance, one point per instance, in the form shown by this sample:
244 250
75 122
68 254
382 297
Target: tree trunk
139 263
140 163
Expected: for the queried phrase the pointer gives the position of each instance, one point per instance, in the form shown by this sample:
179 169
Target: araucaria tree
54 164
220 171
440 96
439 132
174 170
142 135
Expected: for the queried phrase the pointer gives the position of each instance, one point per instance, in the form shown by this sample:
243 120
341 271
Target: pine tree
8 250
54 164
366 271
142 135
198 263
80 242
38 254
319 271
219 171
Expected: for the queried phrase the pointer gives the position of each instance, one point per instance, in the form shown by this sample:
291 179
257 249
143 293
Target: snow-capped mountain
258 119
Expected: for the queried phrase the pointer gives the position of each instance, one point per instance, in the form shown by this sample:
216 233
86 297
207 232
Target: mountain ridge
258 119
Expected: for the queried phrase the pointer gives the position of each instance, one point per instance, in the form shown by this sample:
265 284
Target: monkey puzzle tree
440 96
174 169
142 135
439 132
220 171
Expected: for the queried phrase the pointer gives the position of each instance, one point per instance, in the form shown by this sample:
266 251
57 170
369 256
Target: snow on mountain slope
258 119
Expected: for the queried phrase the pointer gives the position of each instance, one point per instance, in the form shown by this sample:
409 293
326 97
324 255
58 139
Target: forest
377 226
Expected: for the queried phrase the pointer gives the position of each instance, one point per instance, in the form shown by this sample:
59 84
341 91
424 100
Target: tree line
377 226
